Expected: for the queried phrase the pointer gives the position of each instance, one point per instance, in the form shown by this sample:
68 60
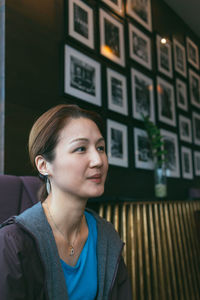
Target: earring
48 184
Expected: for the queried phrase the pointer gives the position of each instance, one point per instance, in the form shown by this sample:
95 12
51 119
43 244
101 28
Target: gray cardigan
109 248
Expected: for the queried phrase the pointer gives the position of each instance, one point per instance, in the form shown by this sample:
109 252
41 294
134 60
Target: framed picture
116 5
166 103
194 82
197 162
185 129
111 38
140 10
117 143
140 47
186 158
82 76
179 58
164 57
81 25
172 156
117 92
192 53
196 127
142 95
181 94
143 157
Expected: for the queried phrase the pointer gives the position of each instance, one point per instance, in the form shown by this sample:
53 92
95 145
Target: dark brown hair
45 132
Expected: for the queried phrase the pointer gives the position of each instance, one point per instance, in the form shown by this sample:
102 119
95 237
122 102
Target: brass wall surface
162 249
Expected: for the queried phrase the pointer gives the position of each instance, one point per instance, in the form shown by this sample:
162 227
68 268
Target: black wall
35 36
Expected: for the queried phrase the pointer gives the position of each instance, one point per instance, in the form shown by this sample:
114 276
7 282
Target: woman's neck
65 214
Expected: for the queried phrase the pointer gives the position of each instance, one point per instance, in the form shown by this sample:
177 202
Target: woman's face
80 165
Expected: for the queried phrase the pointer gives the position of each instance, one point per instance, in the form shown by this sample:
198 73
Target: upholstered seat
17 193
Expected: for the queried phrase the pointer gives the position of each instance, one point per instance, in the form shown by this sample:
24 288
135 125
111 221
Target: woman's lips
95 178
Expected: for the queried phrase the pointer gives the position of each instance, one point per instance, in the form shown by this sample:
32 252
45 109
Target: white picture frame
185 129
82 76
186 159
192 53
172 156
117 143
142 95
117 92
81 22
140 10
166 102
111 38
194 85
181 94
116 5
164 57
196 127
140 47
179 58
143 157
196 156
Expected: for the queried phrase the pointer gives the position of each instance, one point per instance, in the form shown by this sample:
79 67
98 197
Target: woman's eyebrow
78 140
86 140
101 140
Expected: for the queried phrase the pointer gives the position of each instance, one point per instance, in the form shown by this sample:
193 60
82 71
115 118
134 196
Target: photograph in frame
179 58
111 38
117 143
82 76
185 129
166 102
116 5
140 10
192 53
81 22
142 95
117 92
164 57
186 159
172 156
143 156
194 85
196 127
140 47
196 155
181 94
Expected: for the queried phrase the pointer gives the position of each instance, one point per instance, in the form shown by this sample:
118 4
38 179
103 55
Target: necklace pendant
71 253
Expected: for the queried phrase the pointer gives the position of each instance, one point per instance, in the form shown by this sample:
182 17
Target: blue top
81 280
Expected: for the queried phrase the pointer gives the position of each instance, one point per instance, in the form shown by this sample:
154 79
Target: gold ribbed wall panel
162 249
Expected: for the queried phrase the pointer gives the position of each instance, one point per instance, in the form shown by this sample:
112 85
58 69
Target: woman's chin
97 193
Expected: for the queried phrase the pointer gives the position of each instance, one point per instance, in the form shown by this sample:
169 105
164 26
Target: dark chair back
17 193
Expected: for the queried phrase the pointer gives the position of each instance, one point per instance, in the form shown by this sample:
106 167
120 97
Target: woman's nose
95 159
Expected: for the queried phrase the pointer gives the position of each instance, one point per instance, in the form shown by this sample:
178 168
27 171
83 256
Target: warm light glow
163 41
150 87
107 51
159 89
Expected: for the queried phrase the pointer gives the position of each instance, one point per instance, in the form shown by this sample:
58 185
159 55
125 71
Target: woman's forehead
80 128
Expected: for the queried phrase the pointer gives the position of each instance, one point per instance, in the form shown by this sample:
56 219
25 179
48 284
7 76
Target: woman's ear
41 164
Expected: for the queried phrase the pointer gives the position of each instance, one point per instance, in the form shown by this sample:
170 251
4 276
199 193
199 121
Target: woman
57 249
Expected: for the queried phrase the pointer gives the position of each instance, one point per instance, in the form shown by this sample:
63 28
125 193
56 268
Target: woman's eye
80 149
101 148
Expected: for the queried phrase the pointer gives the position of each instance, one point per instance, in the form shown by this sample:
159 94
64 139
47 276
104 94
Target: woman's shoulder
104 225
9 227
13 235
20 263
99 219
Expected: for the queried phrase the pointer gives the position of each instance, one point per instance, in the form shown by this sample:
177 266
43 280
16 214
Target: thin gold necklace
71 246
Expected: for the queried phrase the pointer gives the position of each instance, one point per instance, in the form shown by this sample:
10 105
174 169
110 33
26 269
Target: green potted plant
159 156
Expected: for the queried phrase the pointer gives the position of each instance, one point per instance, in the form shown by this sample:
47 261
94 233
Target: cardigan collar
109 247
